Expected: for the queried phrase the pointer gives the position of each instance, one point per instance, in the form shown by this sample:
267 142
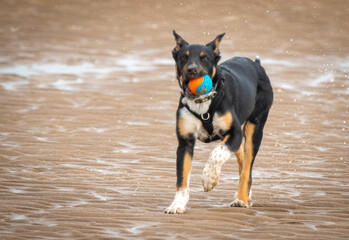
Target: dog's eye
184 58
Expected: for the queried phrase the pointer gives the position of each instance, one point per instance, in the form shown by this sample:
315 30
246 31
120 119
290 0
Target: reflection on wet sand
88 100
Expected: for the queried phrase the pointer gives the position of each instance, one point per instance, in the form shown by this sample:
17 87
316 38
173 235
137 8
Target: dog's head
195 60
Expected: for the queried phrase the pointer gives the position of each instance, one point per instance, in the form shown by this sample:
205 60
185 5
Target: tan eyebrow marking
202 54
187 53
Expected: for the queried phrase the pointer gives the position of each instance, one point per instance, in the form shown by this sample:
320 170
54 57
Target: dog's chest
193 125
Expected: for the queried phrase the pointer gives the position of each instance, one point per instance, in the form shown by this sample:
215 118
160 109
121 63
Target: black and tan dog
235 112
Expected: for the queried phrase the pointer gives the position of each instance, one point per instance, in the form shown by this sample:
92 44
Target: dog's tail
258 60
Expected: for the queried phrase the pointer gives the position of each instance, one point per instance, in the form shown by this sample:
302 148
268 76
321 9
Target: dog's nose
192 69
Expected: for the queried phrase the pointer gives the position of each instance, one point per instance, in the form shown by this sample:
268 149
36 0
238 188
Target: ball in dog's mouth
199 86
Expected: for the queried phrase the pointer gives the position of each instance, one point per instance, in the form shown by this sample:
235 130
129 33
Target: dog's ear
214 45
180 42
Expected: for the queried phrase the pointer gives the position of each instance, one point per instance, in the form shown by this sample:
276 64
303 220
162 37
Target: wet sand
87 120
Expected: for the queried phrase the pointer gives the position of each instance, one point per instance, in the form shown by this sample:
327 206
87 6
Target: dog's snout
193 69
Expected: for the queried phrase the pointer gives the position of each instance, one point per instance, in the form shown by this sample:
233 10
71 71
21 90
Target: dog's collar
210 97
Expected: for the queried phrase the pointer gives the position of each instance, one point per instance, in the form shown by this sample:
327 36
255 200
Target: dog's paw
175 208
179 203
239 203
210 178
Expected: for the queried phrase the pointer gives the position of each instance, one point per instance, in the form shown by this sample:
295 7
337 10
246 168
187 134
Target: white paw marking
179 203
213 167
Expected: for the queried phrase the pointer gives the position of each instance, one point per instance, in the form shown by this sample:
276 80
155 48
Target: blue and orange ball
201 85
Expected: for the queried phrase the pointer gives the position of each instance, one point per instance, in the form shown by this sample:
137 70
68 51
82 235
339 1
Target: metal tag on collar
202 100
205 116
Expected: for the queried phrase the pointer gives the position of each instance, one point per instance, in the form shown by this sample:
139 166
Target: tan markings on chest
187 123
222 122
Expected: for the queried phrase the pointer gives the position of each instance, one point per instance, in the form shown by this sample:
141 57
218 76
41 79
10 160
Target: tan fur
179 42
181 81
186 170
240 155
226 139
248 155
180 77
228 119
181 127
216 51
222 122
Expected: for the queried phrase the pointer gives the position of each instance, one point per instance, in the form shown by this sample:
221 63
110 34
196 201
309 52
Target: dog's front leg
212 169
220 155
184 158
186 126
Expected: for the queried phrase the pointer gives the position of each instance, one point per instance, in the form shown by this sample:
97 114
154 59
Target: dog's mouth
189 93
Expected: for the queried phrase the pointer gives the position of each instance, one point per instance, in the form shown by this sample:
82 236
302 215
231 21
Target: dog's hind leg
253 132
246 166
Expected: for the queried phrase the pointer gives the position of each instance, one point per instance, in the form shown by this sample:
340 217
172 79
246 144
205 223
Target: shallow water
88 100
